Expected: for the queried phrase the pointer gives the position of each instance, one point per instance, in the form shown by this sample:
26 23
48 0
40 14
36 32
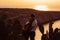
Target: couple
30 27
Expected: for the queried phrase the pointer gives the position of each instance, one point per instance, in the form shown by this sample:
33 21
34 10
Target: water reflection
46 27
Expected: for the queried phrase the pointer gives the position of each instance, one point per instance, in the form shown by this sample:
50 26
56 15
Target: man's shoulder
35 20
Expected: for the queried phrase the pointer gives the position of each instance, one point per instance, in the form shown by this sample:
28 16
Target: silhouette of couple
30 27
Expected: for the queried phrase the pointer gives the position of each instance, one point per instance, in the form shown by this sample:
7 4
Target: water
46 27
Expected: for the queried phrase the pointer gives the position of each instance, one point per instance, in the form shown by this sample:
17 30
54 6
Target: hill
23 14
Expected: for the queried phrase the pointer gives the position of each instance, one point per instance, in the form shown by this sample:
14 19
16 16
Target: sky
51 4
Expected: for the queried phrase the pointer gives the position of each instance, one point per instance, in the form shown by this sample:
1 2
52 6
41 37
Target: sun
41 7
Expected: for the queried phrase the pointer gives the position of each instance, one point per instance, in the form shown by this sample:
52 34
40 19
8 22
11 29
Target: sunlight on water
38 34
56 24
46 27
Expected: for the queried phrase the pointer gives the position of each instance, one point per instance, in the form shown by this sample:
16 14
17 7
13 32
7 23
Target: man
31 27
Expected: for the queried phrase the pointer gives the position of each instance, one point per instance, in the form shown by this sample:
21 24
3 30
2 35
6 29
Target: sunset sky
51 4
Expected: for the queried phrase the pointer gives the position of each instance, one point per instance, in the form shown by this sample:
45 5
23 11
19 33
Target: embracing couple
30 27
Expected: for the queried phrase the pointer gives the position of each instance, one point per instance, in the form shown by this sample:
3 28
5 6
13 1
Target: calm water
46 27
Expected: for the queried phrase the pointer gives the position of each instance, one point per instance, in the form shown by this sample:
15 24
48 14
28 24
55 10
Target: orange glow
42 8
52 4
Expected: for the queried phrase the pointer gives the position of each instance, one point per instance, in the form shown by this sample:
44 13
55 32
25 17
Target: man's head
32 15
